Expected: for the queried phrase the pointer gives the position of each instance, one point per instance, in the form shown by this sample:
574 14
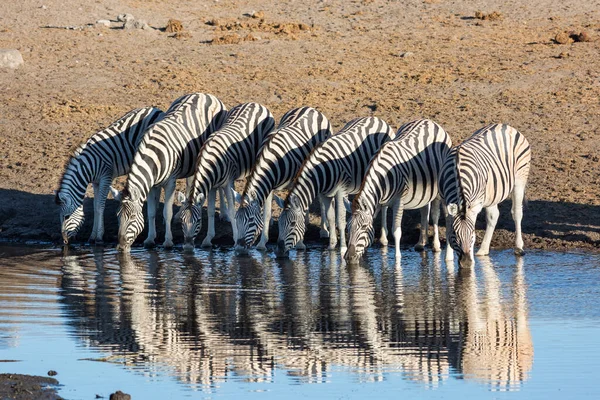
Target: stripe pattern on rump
334 168
104 156
404 173
279 160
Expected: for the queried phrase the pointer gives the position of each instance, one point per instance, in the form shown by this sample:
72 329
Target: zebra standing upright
404 173
280 158
480 173
228 155
106 155
335 168
168 152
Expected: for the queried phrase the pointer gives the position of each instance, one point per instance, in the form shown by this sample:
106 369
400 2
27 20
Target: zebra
299 131
168 152
105 155
404 173
480 173
335 168
228 155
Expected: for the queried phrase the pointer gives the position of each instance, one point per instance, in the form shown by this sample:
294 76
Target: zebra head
190 215
71 216
361 230
129 214
292 225
249 221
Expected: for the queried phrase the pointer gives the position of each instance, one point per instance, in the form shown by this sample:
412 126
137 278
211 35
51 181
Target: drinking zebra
480 173
106 155
404 174
228 155
168 152
335 168
280 158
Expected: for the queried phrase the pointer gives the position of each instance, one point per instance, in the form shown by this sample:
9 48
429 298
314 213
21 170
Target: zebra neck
80 172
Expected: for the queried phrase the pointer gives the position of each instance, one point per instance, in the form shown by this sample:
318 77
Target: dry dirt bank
398 60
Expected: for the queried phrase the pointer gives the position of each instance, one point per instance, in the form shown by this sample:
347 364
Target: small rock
563 55
52 373
10 58
103 23
118 395
563 38
582 36
257 14
125 17
407 54
173 26
136 24
44 7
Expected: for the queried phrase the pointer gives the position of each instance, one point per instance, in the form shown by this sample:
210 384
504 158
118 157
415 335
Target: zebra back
340 160
285 150
409 166
171 146
485 166
231 152
108 152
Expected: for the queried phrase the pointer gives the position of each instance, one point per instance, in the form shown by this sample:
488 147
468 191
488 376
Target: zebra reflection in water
210 317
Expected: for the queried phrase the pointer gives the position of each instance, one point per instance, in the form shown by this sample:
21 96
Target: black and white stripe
106 155
279 160
404 174
228 155
168 152
480 173
335 168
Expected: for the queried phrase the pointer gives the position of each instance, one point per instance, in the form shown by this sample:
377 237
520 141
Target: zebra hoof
323 234
519 252
419 247
482 253
149 244
383 241
168 244
437 248
300 246
261 247
98 242
207 244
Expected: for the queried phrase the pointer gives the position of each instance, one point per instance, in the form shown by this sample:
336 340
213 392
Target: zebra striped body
480 173
335 168
280 158
404 173
228 155
168 152
106 155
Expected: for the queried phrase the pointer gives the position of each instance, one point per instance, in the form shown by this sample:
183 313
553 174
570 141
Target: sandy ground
28 387
398 60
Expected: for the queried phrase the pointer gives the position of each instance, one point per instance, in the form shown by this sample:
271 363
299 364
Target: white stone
136 24
125 17
10 58
103 22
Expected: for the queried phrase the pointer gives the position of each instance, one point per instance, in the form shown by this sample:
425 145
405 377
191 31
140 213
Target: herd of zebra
197 138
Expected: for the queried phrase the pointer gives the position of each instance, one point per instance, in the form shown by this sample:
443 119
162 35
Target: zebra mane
301 169
74 157
459 189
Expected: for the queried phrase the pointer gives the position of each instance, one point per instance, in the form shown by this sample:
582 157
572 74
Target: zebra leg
341 220
168 212
397 225
324 233
517 214
231 209
420 246
264 235
330 221
101 194
210 234
96 188
449 232
152 203
491 216
223 205
435 219
384 231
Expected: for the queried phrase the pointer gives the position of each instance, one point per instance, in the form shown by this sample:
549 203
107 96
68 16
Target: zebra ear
348 205
200 201
295 201
180 197
115 194
452 209
280 202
